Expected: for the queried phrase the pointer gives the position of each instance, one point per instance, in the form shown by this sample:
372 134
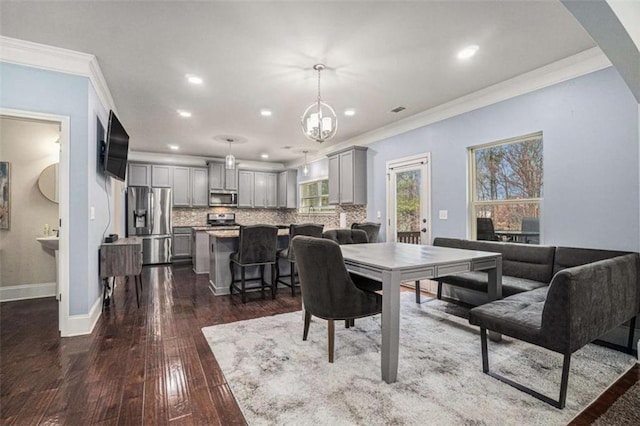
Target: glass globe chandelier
319 121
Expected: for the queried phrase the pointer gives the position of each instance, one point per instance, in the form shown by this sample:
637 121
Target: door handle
423 230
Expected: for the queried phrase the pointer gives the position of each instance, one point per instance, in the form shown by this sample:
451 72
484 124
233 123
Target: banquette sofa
560 298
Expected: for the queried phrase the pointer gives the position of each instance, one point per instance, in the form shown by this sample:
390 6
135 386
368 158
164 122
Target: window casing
314 197
507 187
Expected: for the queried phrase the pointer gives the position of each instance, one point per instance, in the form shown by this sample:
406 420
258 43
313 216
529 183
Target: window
314 197
506 190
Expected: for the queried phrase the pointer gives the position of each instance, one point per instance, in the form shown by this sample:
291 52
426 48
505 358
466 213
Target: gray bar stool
257 247
306 229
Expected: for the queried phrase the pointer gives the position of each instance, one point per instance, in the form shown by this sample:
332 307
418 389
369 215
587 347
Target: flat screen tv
116 149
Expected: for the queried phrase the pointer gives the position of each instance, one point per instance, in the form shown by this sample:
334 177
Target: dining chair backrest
306 229
485 230
371 228
530 224
346 236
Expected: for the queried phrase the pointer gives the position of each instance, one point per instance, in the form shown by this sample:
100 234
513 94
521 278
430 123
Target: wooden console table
122 258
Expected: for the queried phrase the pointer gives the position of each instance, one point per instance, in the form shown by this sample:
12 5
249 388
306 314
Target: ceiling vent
398 109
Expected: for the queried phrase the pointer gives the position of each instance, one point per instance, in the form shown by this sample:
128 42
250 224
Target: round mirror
48 182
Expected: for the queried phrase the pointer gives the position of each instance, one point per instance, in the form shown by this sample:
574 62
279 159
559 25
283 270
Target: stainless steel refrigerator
149 217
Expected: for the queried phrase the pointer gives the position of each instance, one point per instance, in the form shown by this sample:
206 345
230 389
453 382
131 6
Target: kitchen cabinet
221 178
161 176
139 175
181 243
257 189
348 176
287 189
190 187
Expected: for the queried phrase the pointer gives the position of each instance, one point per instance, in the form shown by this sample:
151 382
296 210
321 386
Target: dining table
394 263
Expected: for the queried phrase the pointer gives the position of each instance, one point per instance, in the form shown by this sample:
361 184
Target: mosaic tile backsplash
183 216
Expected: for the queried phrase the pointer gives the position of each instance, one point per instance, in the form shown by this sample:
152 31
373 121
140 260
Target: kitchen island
224 242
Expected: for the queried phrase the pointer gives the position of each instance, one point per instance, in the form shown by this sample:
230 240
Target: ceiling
255 55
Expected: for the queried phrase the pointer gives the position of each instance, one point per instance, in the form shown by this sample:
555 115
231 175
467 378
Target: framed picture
5 194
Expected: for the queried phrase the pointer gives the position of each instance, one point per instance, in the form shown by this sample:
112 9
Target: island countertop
235 233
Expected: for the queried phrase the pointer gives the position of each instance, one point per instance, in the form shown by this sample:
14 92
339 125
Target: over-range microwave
223 198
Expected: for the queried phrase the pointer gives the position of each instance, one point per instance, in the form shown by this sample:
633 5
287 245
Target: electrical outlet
379 215
443 214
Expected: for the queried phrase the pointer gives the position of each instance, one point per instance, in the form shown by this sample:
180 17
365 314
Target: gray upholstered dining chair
327 290
371 228
485 229
288 254
256 247
531 224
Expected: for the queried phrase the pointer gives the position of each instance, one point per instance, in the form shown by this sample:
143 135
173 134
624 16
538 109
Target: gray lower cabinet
348 176
257 189
181 243
287 189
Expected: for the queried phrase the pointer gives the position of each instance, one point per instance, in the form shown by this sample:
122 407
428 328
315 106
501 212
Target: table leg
390 325
495 291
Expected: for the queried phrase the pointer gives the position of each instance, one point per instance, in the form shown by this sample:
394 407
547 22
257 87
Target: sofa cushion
479 281
518 316
530 262
568 257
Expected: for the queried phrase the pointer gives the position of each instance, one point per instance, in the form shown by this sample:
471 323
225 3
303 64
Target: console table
122 258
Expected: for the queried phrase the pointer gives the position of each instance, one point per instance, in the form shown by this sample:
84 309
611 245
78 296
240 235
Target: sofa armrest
587 301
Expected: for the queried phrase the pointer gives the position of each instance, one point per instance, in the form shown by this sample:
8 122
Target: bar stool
371 228
256 247
306 229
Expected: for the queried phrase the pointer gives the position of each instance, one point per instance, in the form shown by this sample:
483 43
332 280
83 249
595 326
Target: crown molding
57 59
583 63
198 161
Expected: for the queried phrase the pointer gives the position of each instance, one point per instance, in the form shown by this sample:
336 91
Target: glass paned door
408 196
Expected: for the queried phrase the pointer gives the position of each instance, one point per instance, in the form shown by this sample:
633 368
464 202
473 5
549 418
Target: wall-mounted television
116 149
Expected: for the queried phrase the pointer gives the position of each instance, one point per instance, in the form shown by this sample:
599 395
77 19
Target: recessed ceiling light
174 147
193 79
350 112
265 156
265 112
468 51
183 113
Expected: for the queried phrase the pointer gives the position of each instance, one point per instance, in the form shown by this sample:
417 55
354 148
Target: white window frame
323 210
473 203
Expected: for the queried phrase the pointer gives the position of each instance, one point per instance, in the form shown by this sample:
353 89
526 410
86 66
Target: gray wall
591 182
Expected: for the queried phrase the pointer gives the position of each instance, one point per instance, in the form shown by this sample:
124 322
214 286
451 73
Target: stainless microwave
223 198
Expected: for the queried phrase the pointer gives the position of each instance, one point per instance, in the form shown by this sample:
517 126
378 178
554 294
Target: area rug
279 379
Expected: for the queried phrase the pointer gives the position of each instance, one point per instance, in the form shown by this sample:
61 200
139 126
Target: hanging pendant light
230 160
319 121
305 169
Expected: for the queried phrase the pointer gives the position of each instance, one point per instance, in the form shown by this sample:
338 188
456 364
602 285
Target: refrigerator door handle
152 208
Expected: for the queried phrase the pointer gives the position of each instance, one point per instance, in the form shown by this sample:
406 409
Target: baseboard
78 325
27 291
218 291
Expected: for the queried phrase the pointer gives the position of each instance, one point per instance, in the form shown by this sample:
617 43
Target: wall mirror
48 182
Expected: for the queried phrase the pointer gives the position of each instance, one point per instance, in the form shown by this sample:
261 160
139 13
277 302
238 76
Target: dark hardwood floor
150 365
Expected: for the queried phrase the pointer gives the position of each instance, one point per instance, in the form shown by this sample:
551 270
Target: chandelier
230 160
319 121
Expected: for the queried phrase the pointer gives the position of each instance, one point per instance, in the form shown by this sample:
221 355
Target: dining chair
327 289
485 229
531 224
288 254
256 247
371 228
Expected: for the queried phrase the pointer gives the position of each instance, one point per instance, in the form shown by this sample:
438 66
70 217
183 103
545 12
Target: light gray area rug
279 379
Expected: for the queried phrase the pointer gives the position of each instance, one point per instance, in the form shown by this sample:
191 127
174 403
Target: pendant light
305 169
230 160
319 121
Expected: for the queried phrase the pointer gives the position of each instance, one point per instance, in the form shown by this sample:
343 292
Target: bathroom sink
50 243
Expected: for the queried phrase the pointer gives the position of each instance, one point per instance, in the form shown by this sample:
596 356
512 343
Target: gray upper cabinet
348 176
271 190
245 188
199 187
287 189
221 178
139 175
190 187
161 176
181 186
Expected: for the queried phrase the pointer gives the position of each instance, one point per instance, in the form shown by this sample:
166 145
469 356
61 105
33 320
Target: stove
222 219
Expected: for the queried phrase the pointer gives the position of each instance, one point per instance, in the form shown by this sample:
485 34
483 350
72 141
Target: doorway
409 199
37 191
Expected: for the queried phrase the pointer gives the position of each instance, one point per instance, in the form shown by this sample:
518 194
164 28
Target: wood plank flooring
150 365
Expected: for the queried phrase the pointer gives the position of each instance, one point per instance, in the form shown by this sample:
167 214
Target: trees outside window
507 185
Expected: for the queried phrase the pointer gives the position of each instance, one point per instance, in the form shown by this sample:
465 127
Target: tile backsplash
198 216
